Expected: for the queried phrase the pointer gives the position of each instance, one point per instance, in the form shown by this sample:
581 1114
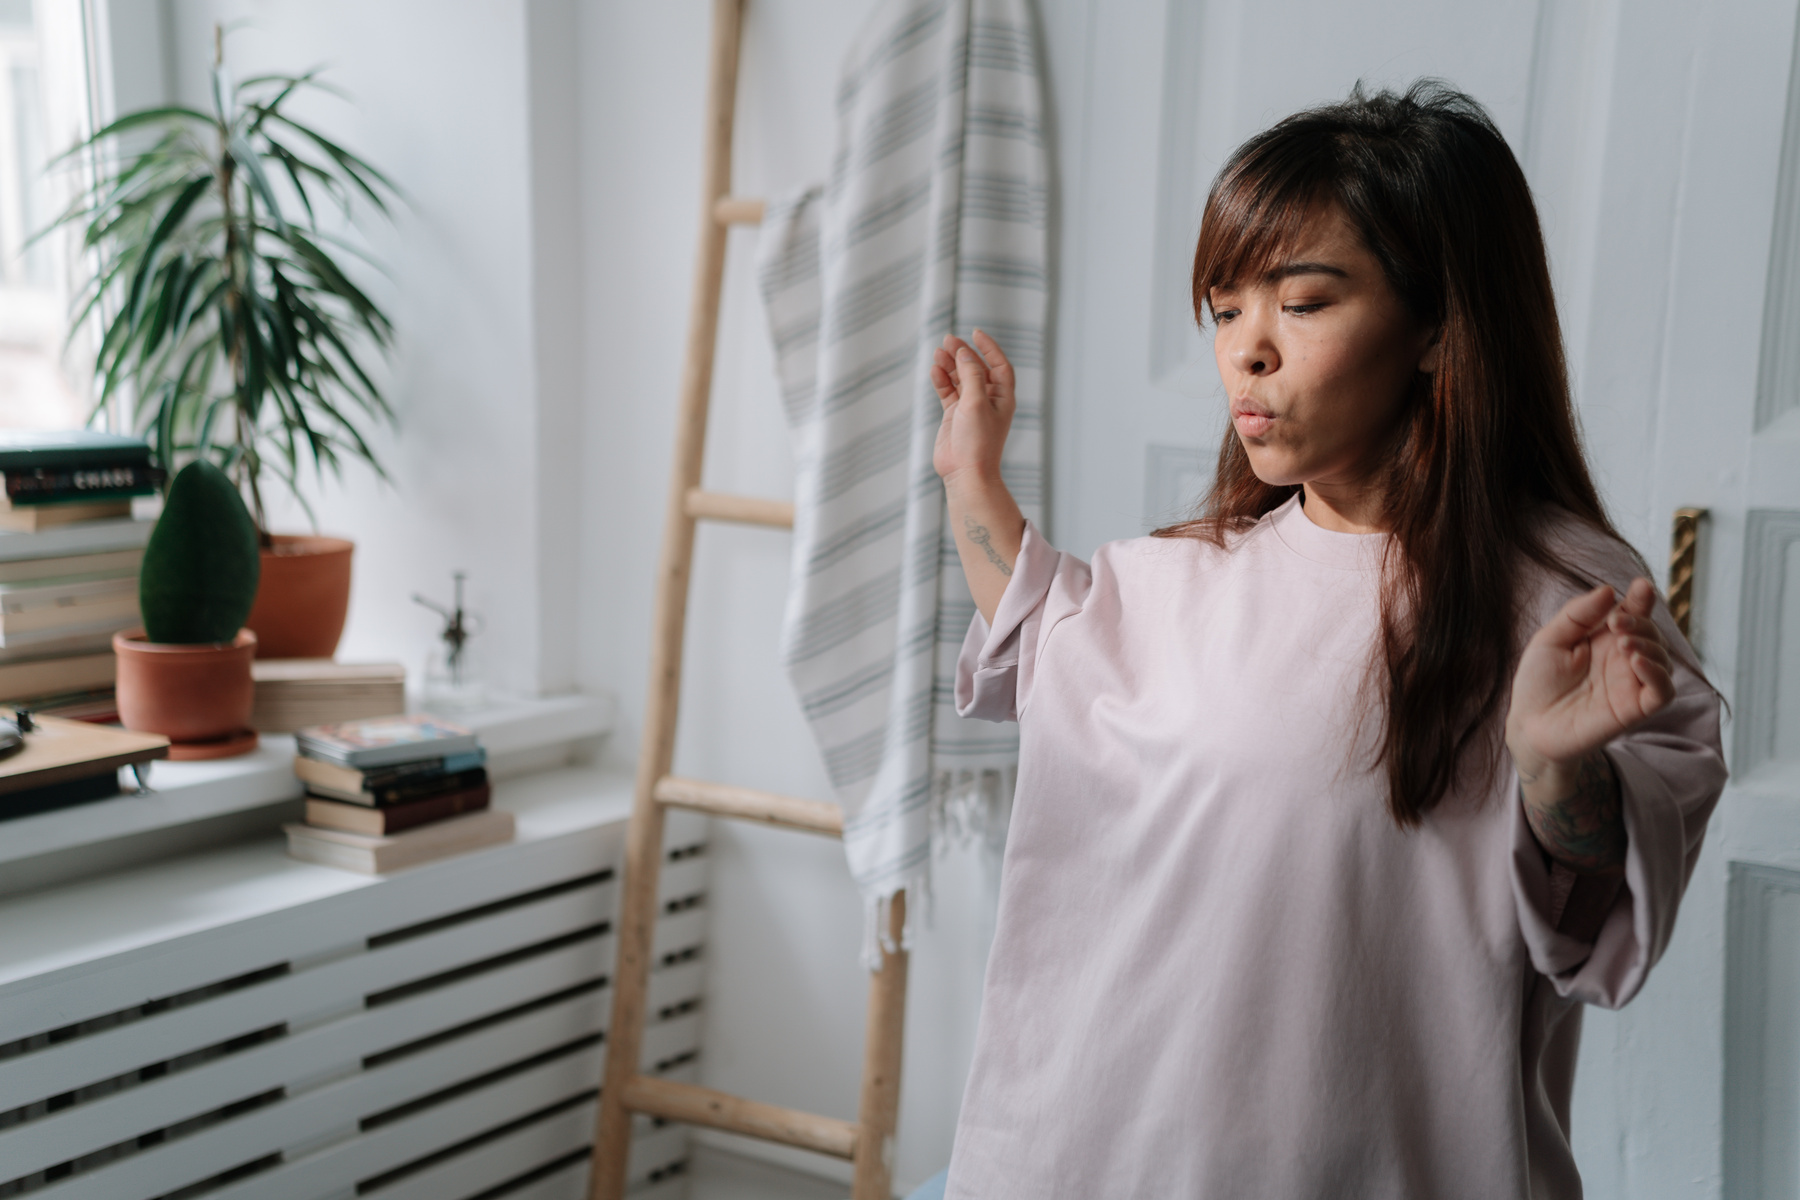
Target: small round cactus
203 561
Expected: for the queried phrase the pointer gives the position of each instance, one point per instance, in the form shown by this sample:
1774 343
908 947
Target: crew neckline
1347 551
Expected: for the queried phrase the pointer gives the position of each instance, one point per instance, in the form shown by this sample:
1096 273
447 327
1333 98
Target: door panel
1231 69
1766 745
1762 1040
1663 147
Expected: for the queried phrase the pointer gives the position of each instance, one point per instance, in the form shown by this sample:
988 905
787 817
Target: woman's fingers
946 387
943 362
1577 620
1638 629
972 373
1658 683
943 376
1640 597
977 406
1653 649
983 365
999 366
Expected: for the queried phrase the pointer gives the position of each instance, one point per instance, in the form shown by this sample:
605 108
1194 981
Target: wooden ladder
868 1141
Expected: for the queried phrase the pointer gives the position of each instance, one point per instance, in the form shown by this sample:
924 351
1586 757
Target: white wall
442 100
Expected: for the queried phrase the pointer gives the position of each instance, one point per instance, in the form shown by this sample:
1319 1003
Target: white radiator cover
434 1034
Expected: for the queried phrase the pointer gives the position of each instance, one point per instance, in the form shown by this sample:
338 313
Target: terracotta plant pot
303 598
198 696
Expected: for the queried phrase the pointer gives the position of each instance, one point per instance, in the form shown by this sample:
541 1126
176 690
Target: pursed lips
1251 419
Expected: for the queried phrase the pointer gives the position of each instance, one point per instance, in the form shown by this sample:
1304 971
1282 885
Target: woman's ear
1434 353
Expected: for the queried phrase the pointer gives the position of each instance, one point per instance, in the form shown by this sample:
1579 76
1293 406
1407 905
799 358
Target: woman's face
1317 356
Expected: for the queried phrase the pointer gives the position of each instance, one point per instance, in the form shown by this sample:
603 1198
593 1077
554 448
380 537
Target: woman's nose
1256 356
1252 351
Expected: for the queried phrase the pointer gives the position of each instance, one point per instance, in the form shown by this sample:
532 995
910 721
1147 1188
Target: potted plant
186 674
229 321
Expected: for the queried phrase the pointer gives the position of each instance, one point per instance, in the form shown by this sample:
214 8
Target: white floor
720 1175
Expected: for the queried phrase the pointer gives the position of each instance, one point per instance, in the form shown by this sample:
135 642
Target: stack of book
69 557
293 693
392 792
67 477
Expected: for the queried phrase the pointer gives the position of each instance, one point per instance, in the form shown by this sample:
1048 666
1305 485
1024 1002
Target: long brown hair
1485 444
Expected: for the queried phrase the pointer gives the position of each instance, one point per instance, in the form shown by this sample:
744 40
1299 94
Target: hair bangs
1255 216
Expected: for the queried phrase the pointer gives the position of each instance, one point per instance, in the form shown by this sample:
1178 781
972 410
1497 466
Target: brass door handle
1683 549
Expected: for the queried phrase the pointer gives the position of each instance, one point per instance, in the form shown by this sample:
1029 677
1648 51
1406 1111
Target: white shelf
185 792
58 929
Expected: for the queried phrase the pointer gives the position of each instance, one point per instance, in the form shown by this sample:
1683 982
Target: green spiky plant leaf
201 567
225 310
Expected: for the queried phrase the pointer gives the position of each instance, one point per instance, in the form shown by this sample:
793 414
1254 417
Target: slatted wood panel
438 1035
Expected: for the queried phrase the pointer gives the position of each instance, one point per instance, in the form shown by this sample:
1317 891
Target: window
44 383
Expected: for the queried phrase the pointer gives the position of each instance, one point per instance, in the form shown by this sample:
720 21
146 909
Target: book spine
410 790
329 854
67 458
43 619
459 835
33 570
384 757
390 820
38 518
51 485
377 778
98 537
32 638
67 595
57 675
374 779
360 787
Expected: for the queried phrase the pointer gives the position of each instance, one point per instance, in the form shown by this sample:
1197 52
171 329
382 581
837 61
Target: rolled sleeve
995 669
1596 939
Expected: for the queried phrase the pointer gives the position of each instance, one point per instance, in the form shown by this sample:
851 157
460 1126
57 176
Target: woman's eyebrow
1289 270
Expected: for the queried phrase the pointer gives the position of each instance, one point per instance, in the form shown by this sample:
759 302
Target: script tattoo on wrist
978 533
1584 830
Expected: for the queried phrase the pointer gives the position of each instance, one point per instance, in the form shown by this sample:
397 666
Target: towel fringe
968 806
971 805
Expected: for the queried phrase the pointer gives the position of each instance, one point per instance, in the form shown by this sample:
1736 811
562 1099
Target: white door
1652 133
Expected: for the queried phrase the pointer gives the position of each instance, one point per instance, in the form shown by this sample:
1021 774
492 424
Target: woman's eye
1223 315
1301 310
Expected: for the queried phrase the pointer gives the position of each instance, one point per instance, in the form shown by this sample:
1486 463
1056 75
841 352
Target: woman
1335 803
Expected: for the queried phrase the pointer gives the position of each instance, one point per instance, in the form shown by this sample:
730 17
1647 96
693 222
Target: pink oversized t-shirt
1220 969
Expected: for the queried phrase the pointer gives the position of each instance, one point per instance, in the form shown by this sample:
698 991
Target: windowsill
60 928
520 736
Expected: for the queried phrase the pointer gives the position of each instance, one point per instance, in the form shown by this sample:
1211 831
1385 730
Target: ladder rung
751 510
694 1105
746 804
738 210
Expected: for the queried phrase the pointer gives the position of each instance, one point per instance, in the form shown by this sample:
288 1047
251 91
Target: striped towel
934 220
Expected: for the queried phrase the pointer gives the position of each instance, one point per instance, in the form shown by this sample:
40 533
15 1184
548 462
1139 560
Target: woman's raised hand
975 384
1596 669
1599 667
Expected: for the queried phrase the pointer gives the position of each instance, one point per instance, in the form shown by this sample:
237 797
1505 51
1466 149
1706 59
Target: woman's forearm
1576 812
989 530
